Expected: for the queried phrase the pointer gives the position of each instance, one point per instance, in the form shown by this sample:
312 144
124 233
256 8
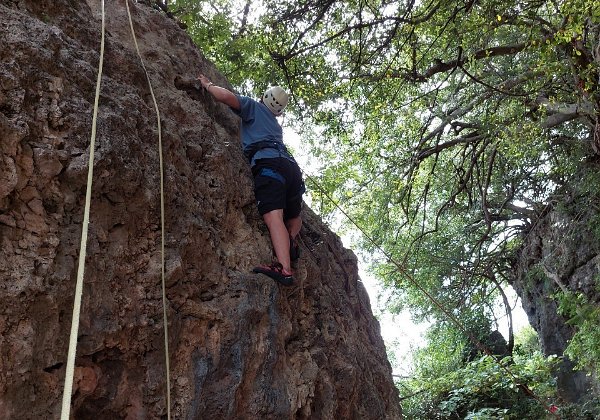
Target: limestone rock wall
242 347
561 252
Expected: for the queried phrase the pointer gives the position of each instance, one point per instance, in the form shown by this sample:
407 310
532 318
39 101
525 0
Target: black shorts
278 185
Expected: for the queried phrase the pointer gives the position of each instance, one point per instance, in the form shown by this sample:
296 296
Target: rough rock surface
561 252
241 346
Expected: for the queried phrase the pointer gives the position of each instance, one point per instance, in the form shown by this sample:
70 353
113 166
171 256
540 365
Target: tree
446 386
446 128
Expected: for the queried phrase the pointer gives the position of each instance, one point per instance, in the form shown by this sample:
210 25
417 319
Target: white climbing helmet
276 99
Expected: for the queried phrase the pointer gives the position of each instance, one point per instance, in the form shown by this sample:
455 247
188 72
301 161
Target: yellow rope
68 388
162 215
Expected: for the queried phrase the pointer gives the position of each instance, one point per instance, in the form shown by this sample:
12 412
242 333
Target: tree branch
244 20
468 138
511 334
441 67
559 113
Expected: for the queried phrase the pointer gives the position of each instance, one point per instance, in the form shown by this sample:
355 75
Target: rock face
561 253
241 347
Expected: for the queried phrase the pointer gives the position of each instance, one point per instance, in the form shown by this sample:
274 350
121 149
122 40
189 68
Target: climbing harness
437 303
251 150
69 373
270 173
68 388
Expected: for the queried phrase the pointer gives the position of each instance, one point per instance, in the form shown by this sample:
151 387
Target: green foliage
481 389
234 38
535 275
488 414
585 194
589 409
527 342
584 316
444 353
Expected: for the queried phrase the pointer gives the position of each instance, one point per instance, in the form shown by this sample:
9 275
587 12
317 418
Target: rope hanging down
69 373
437 303
68 387
162 216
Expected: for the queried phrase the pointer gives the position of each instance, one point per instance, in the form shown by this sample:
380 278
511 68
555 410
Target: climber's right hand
205 81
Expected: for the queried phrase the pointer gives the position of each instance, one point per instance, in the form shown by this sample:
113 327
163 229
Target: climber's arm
219 93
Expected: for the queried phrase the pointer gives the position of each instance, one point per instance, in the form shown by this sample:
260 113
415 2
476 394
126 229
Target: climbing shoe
294 250
276 272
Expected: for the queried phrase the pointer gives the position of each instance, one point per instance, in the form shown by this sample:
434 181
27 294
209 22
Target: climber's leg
293 207
293 226
270 193
279 237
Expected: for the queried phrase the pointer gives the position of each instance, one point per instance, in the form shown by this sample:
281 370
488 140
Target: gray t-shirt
259 124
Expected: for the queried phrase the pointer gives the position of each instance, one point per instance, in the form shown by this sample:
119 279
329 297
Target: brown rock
241 347
8 220
47 163
8 176
85 380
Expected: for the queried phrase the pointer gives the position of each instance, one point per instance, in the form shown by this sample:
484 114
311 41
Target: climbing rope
162 215
68 388
66 402
436 302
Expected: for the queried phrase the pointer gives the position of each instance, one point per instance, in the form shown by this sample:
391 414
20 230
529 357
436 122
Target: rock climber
278 184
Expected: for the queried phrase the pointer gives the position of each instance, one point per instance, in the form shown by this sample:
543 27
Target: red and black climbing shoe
294 250
276 272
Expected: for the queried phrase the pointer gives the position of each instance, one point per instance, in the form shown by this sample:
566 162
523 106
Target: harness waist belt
265 144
